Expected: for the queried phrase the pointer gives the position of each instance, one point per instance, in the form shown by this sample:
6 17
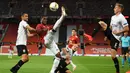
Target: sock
18 65
72 63
129 60
58 23
116 64
55 65
123 60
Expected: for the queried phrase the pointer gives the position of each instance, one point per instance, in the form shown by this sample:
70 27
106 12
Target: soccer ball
53 6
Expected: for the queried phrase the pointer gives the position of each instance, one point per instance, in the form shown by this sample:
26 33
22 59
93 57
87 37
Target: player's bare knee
113 53
25 58
68 71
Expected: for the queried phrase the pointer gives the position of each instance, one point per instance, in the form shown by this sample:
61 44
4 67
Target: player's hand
116 32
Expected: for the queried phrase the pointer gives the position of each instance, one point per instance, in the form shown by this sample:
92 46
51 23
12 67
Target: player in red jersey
73 44
42 29
11 51
46 34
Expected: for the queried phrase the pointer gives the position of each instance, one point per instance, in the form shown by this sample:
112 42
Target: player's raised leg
58 22
50 34
51 44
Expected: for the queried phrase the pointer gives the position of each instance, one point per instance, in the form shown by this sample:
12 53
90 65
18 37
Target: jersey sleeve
124 21
24 24
38 26
88 37
77 39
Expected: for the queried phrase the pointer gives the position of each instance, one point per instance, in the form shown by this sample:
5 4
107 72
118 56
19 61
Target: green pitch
42 64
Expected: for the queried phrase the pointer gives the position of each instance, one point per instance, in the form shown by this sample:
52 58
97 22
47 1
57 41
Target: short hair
74 29
42 18
23 14
120 5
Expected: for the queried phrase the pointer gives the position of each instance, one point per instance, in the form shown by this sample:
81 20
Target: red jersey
89 37
43 29
73 40
11 47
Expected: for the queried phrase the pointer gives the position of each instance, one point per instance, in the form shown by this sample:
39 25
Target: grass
42 64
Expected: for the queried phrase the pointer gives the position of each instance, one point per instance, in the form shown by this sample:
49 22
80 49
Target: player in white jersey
48 39
21 42
117 27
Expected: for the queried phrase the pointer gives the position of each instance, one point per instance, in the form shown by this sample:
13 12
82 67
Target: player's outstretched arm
59 21
30 28
31 35
125 29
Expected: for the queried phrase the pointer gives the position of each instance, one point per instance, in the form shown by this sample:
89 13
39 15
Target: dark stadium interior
80 13
86 12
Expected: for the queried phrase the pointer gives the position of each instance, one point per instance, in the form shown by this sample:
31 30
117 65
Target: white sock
58 22
10 53
72 63
55 65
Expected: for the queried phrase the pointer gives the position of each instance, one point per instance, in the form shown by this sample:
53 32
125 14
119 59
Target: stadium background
80 12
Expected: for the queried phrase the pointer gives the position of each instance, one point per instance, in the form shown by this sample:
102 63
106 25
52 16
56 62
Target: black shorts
62 67
63 70
125 50
21 49
114 43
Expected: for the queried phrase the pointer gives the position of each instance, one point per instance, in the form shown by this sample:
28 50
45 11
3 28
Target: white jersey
117 23
69 50
22 33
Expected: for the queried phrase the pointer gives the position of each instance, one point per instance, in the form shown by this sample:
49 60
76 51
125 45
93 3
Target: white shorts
50 44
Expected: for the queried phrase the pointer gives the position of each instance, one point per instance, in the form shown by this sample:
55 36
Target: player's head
74 32
118 8
125 33
44 20
24 16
